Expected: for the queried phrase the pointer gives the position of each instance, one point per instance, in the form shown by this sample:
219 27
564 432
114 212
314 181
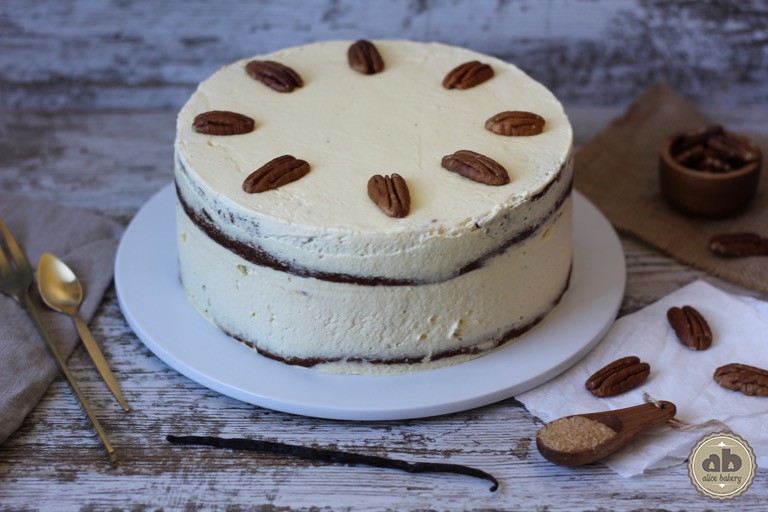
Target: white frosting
350 126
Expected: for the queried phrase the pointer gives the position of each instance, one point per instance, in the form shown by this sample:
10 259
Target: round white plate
151 297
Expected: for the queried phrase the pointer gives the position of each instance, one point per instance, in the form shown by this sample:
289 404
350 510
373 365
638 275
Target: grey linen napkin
87 242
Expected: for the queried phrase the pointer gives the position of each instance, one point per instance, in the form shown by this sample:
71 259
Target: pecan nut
390 194
713 149
468 75
222 122
736 245
700 137
515 123
732 147
713 163
691 157
274 75
476 167
743 378
275 173
365 58
691 329
618 377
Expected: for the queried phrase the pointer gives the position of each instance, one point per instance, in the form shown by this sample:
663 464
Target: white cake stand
152 300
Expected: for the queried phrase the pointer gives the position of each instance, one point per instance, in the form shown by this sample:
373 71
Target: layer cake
312 270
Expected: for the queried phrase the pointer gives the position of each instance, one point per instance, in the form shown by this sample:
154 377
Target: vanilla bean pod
332 456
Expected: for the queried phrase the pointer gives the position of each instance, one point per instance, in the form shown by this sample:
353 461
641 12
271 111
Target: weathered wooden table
112 162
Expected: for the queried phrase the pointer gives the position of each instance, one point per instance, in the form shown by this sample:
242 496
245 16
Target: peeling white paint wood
113 162
145 54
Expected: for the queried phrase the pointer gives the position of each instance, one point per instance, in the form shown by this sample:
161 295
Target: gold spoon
584 438
62 291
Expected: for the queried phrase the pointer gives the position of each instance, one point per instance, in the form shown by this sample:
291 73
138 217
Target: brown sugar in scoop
585 438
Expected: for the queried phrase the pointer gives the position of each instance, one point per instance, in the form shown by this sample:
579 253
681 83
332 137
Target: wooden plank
141 54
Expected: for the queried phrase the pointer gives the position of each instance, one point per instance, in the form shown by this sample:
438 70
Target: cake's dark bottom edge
475 350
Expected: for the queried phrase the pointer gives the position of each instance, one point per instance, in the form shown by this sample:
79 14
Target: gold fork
15 280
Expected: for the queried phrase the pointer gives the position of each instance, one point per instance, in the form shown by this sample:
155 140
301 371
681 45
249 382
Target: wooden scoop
627 424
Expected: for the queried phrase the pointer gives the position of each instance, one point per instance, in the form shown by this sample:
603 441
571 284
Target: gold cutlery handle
97 356
32 312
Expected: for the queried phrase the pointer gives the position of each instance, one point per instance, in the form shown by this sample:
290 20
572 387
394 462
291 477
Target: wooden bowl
707 194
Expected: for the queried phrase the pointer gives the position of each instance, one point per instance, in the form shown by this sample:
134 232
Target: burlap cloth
87 243
617 171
